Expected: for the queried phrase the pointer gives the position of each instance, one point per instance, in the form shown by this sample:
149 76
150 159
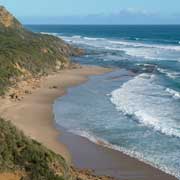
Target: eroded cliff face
23 56
24 53
7 20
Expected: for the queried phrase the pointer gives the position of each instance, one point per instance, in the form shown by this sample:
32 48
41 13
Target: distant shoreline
33 114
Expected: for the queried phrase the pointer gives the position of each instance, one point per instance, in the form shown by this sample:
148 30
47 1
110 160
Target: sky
95 11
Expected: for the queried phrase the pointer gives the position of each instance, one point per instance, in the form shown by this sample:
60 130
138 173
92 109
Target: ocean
136 108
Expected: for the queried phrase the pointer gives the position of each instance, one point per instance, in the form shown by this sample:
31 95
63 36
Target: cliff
22 158
25 54
7 21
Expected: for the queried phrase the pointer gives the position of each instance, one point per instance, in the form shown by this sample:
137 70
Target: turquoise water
136 109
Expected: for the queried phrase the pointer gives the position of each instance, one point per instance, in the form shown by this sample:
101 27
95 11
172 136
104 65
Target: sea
136 108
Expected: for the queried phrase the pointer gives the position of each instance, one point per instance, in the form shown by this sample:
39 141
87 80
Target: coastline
33 114
109 162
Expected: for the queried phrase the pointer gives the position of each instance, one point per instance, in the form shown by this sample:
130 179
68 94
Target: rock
27 92
7 20
77 51
53 87
75 66
78 178
58 65
13 96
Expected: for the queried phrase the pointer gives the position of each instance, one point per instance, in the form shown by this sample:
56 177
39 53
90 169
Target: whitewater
136 108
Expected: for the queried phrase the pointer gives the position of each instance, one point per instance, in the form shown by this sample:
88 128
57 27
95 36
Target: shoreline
32 112
34 115
106 161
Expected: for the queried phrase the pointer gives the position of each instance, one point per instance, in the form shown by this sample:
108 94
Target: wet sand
105 161
34 115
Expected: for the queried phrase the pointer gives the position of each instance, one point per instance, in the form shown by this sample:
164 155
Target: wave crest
148 104
174 93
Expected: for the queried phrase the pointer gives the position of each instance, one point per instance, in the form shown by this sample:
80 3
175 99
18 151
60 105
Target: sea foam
174 93
134 154
170 74
148 104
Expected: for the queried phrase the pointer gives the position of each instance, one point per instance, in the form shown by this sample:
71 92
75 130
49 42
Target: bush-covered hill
21 154
24 53
26 159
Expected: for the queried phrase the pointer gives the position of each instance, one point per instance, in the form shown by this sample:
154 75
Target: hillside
28 159
24 54
22 158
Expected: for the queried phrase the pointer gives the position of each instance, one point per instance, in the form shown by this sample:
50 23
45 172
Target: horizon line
27 24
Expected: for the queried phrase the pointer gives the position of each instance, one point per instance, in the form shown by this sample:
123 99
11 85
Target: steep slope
22 158
8 21
24 53
26 158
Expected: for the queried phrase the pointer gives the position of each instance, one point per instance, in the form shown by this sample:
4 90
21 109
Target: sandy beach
34 116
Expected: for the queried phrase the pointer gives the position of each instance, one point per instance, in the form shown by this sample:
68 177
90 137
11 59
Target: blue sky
95 11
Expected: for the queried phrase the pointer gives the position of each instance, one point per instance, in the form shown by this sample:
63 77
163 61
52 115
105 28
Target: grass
25 54
17 152
33 54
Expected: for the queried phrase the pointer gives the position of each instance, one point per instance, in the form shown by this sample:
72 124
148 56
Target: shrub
17 152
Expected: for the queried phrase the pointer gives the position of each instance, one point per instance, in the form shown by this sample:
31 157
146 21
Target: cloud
132 11
123 16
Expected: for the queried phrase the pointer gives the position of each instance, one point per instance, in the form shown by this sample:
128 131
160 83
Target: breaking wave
102 142
148 104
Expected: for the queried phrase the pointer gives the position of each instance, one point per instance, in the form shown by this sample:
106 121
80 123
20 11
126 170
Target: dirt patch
11 176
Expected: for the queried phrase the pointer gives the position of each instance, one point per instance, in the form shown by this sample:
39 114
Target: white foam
169 73
134 154
174 93
53 34
93 39
147 102
154 123
77 36
142 52
129 44
122 42
135 44
131 48
146 53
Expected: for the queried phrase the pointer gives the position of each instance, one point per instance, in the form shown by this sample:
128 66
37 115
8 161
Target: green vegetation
29 56
24 53
19 153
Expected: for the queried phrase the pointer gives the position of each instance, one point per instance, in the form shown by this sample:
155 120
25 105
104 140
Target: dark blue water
136 109
164 34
